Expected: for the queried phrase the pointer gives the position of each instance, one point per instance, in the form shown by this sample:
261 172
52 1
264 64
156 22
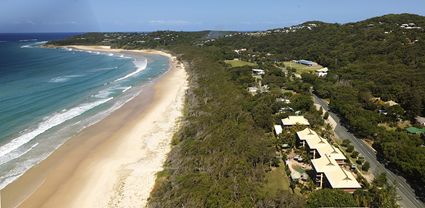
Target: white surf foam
40 43
104 93
103 69
32 45
127 88
64 78
15 154
141 65
47 124
11 175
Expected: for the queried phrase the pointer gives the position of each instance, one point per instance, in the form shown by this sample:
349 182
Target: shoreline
113 162
109 49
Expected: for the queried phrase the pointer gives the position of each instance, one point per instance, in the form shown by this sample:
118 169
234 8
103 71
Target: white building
323 72
258 71
253 90
278 129
326 161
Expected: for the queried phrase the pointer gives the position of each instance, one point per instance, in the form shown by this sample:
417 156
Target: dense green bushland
221 154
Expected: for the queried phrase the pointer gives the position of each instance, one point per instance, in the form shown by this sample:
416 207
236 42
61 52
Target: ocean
48 95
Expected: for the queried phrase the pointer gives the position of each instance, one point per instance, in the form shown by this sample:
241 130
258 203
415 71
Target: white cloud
169 22
60 23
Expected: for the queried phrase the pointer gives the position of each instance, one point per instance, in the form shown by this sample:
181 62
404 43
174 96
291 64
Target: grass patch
161 177
299 68
387 126
276 180
239 63
288 91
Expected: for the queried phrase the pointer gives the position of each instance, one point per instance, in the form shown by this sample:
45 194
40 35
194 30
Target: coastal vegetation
225 154
368 59
238 63
222 155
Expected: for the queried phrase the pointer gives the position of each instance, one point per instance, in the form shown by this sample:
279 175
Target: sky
187 15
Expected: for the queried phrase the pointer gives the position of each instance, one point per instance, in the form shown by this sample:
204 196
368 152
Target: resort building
295 120
318 146
328 174
326 162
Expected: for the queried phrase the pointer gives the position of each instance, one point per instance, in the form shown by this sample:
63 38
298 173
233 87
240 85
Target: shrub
326 116
350 148
345 142
366 166
330 198
354 154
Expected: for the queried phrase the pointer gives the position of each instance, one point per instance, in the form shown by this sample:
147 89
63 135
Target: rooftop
325 69
420 119
314 141
307 62
278 129
335 174
294 120
415 130
391 103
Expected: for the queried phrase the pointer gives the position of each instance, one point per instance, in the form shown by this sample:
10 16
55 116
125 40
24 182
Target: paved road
405 192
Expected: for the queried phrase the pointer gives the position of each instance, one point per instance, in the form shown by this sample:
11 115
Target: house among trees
258 72
390 103
306 62
323 72
379 101
278 129
283 100
326 162
253 90
420 120
295 120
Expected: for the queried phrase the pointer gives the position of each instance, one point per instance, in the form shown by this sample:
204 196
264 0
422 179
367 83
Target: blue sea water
47 95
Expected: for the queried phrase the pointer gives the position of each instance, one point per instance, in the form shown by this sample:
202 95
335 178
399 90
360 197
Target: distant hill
385 55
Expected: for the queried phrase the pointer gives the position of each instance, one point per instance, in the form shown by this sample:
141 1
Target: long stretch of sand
112 163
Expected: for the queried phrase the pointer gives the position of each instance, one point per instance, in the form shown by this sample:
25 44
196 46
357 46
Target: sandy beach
113 162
